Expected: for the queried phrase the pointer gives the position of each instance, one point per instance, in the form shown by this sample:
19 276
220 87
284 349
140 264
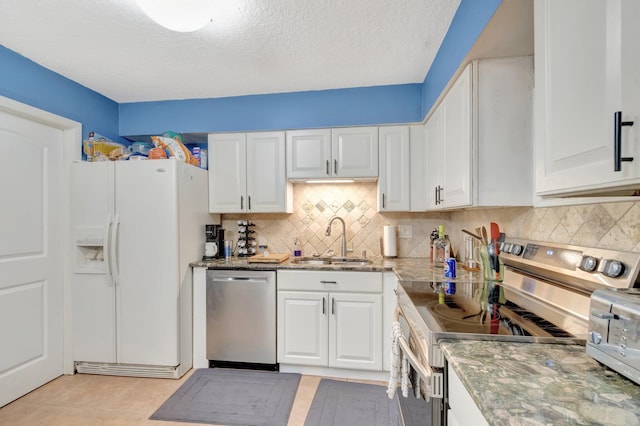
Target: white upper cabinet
434 132
309 154
418 168
394 168
449 146
587 62
479 138
247 173
227 172
355 152
455 150
332 153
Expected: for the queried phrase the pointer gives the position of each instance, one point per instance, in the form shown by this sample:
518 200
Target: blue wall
467 24
326 108
25 81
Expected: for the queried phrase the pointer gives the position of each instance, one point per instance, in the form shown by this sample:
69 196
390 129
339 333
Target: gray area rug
415 412
342 403
232 397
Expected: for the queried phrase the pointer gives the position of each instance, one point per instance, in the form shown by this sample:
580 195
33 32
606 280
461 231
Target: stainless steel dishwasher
241 318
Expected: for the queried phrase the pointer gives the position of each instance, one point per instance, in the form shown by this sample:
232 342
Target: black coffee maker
214 234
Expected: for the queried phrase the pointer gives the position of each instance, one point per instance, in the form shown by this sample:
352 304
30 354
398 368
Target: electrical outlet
404 231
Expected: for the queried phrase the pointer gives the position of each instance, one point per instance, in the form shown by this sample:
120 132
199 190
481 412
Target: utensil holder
490 262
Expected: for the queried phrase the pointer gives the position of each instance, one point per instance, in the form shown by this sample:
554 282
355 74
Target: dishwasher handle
242 279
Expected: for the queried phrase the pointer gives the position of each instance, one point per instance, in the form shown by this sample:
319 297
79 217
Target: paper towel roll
389 247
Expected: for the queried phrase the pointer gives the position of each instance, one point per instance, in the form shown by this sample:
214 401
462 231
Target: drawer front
351 281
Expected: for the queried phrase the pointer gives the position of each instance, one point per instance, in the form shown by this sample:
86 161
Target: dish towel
416 382
399 364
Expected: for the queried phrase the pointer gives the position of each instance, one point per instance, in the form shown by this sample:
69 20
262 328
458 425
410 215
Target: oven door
413 410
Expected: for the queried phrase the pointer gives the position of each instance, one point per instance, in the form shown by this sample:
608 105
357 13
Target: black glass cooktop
478 308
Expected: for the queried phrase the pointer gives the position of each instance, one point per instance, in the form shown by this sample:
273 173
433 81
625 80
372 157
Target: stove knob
588 263
516 249
611 268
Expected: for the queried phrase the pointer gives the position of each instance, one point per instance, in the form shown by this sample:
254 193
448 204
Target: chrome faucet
343 250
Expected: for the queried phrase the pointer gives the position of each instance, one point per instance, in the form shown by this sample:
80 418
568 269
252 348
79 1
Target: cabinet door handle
323 305
328 172
383 201
249 202
335 167
328 282
436 194
617 141
241 202
333 306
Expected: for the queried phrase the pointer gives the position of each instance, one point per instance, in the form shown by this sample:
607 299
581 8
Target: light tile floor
84 399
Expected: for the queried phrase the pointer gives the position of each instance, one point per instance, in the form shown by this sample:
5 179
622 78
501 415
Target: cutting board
271 258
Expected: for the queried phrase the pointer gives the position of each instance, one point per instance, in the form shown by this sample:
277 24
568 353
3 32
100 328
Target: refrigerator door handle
106 248
114 249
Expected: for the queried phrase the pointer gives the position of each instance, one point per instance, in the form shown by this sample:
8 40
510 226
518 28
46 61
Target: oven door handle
434 380
424 371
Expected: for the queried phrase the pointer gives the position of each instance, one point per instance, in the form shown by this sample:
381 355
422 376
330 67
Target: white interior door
31 255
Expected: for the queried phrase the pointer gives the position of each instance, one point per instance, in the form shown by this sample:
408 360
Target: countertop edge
414 269
551 383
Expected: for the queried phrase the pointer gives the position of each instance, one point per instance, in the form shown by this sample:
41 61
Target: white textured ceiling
251 47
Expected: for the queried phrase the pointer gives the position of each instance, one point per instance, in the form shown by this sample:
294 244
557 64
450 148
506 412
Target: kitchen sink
312 261
355 261
350 261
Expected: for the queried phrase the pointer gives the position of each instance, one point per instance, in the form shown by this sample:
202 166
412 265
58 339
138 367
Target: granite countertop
406 269
542 384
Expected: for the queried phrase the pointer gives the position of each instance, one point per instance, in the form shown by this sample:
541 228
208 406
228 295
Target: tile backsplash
611 225
608 225
316 204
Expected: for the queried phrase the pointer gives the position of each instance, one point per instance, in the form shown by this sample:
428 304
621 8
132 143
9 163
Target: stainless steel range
544 297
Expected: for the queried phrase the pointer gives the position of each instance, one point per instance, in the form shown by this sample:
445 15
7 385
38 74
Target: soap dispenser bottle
297 249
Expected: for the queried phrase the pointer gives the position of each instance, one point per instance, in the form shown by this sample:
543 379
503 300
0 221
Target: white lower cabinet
462 411
303 329
330 319
355 330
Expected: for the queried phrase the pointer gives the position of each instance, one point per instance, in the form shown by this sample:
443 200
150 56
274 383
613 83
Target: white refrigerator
136 227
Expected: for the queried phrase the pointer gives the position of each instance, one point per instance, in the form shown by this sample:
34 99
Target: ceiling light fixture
179 15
